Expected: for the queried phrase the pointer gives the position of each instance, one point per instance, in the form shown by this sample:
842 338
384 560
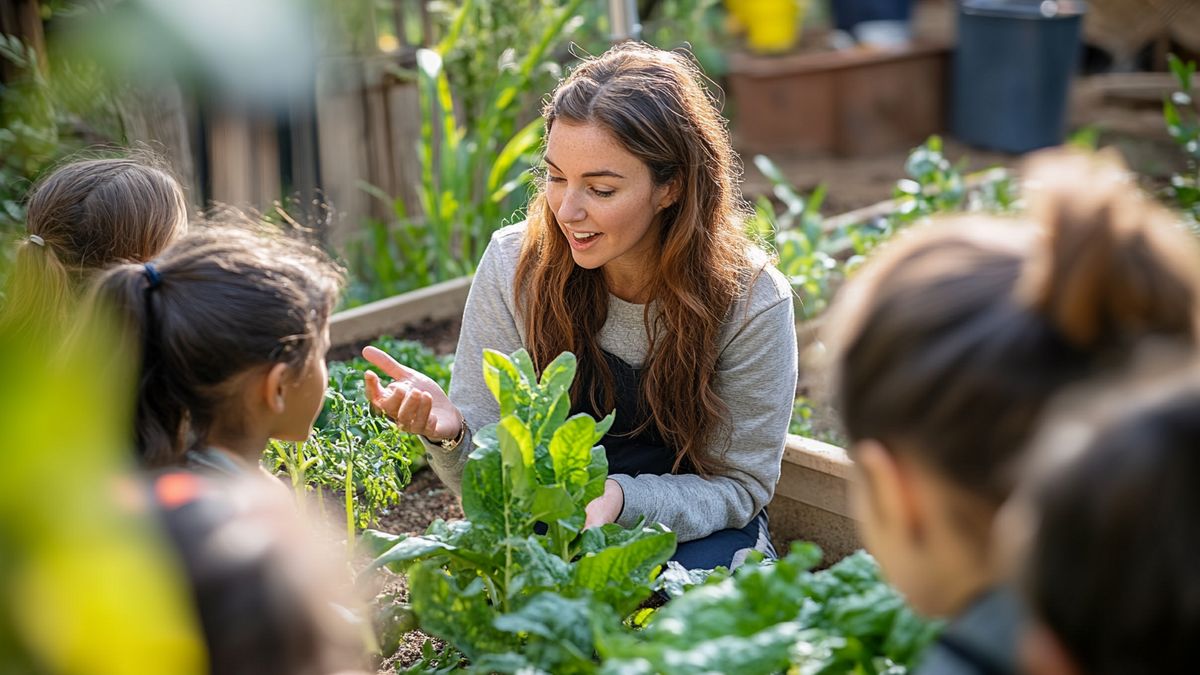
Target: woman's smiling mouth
581 241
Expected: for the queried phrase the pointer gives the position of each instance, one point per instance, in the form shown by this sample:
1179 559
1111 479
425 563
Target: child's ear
273 388
894 492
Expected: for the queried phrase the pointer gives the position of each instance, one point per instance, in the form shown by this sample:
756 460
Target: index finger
387 364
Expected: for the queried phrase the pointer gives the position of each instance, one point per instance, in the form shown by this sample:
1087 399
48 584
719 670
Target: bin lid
1025 9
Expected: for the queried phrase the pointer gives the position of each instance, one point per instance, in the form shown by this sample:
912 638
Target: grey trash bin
1012 72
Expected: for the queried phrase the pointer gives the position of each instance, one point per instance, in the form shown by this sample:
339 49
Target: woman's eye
603 193
555 179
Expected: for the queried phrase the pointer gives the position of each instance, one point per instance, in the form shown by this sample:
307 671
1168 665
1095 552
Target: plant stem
349 502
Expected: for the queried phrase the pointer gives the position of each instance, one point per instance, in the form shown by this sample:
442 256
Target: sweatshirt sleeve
489 322
756 377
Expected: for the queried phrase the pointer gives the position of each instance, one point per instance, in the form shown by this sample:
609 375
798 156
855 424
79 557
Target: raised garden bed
811 500
439 302
852 102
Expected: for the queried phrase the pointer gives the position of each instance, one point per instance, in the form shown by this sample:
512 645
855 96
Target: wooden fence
358 124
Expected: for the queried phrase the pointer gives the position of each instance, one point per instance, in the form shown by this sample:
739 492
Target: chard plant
778 617
519 585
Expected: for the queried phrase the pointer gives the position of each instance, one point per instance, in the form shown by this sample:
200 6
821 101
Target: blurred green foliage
86 586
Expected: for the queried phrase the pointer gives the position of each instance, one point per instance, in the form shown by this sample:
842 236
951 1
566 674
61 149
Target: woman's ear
893 489
668 194
272 388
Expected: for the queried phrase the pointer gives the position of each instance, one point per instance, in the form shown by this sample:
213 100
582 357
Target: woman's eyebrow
590 174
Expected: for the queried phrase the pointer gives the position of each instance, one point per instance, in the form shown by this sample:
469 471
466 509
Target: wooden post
22 19
155 115
342 143
231 157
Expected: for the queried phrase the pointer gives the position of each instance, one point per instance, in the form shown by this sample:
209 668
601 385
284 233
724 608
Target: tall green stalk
477 140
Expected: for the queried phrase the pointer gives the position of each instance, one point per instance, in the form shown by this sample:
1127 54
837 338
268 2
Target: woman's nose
570 209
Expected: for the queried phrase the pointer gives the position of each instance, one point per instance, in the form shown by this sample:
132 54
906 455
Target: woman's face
605 201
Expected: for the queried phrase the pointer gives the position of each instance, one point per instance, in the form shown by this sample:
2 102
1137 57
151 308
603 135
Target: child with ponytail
233 326
946 348
83 218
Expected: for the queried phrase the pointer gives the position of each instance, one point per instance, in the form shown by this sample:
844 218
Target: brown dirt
425 500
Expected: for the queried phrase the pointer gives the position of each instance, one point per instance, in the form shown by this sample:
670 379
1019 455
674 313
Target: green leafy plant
696 25
29 135
796 233
1182 116
777 617
353 450
933 185
475 151
45 118
808 421
519 584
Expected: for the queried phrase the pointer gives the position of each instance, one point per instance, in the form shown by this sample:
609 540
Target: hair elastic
153 276
35 239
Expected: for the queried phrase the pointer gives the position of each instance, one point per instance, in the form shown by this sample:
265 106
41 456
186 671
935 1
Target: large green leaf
597 475
411 549
524 365
504 381
557 377
539 568
486 498
552 503
554 416
765 652
620 576
571 452
524 142
516 452
460 615
558 632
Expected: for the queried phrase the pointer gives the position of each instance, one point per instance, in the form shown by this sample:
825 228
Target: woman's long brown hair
656 105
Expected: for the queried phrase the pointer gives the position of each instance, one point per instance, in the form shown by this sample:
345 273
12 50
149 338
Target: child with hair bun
945 349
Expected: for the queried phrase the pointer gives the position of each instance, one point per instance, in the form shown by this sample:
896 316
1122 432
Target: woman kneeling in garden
634 258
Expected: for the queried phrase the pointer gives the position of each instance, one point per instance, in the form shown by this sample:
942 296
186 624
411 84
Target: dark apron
646 452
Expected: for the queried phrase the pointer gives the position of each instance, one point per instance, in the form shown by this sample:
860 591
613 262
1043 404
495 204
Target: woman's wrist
454 441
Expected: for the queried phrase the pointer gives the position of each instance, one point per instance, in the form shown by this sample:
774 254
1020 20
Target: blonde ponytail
38 295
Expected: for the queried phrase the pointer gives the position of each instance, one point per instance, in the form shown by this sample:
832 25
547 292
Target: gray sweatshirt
756 377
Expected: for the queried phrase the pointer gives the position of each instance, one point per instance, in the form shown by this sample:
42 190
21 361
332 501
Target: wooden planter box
432 303
853 102
811 500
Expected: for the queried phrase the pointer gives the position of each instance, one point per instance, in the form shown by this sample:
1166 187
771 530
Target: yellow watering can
771 25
